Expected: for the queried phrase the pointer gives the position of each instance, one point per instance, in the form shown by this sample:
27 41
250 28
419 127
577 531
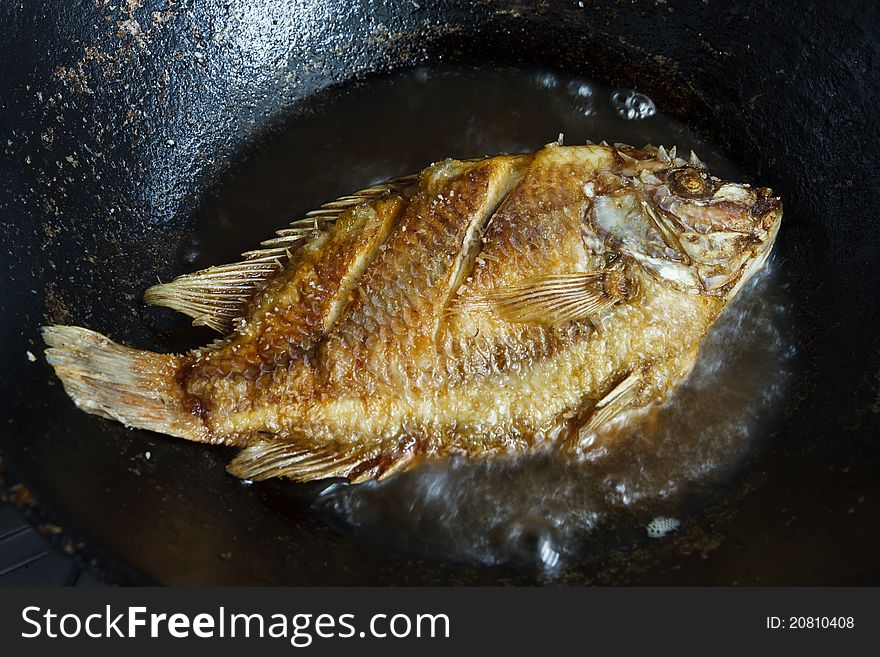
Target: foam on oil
533 509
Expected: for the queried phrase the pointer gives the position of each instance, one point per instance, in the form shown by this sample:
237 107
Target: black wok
117 124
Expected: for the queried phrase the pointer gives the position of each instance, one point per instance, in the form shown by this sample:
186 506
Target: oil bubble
580 94
662 526
584 108
534 540
190 251
580 89
631 105
547 80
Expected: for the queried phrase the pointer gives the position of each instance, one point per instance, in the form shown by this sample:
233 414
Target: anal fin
301 462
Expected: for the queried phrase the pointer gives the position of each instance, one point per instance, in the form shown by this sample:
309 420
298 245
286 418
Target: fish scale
530 234
435 224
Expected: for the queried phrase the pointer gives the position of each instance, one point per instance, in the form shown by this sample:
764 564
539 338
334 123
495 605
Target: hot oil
533 509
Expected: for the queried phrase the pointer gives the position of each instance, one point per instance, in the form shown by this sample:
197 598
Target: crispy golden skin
483 307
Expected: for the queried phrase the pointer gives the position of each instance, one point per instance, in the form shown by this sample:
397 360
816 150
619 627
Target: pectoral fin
560 298
623 398
217 296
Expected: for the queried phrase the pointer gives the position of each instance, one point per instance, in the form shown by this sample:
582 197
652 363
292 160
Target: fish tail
137 388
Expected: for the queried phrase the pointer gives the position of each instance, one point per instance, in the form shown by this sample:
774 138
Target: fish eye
689 183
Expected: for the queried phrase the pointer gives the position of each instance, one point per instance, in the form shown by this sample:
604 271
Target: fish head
683 225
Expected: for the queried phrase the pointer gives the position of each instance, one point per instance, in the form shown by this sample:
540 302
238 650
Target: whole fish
482 307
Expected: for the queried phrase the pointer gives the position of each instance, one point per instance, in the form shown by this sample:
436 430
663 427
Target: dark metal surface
28 559
117 120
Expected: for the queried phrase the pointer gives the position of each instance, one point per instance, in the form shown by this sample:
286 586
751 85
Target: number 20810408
810 623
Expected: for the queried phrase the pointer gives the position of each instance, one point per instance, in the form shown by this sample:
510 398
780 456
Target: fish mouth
765 204
763 250
772 221
772 217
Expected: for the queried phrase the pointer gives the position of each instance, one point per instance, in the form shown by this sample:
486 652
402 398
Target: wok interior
118 138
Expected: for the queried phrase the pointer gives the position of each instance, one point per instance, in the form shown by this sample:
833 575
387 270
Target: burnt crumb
49 529
21 496
160 17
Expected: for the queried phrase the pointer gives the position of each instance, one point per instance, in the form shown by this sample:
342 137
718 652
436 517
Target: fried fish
482 307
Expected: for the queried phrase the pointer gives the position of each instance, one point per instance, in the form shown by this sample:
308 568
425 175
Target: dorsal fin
219 295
